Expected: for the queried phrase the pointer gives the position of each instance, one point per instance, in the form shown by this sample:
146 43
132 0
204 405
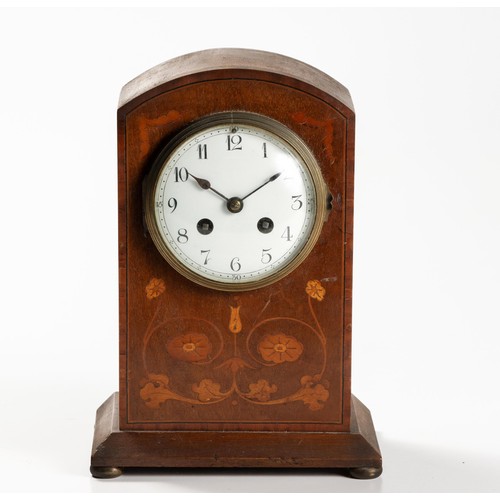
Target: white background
426 350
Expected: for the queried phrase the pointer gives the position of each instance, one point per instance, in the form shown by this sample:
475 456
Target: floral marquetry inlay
155 288
213 345
279 348
315 290
190 347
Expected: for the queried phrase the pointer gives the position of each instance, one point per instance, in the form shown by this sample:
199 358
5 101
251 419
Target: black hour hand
205 184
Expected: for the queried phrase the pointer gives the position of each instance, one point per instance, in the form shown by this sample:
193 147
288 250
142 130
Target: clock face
236 202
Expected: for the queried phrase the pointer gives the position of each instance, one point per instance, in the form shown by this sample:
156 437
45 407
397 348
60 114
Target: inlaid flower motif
313 393
315 290
155 288
208 390
190 347
156 391
261 390
279 348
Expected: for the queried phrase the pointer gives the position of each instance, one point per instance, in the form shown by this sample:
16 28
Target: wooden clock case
258 378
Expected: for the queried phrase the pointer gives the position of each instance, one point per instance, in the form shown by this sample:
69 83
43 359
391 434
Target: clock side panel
233 379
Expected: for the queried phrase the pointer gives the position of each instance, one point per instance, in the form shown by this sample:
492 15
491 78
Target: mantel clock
235 188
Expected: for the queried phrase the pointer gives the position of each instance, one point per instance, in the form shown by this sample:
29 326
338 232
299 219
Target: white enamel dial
234 204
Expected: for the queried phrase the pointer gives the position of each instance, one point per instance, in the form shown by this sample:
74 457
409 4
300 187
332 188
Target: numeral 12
234 142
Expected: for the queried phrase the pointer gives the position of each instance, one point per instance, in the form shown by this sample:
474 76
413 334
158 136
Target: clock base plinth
113 450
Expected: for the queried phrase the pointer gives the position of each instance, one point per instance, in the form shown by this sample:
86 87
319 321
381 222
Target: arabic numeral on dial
207 253
182 236
202 151
235 265
172 203
234 142
266 256
181 174
297 202
287 235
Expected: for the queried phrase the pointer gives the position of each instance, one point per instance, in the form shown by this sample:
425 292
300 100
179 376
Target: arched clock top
227 63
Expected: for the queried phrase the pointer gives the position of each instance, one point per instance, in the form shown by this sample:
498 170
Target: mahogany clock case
215 363
165 386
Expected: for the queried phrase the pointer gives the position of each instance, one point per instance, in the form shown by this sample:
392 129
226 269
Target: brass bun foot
105 472
365 472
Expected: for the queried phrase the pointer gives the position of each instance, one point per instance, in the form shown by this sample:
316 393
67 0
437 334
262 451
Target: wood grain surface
233 385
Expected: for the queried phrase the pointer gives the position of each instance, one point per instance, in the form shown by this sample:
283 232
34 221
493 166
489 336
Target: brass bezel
272 126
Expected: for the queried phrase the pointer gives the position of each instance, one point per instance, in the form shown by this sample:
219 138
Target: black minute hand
204 184
271 179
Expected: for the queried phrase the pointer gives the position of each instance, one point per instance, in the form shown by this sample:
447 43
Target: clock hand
204 184
271 179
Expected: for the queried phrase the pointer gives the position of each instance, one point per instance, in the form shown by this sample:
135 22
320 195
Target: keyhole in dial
205 226
265 225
